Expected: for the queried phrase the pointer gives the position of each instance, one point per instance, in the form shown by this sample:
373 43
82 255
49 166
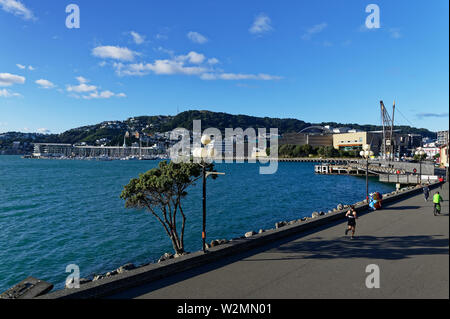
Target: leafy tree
160 192
420 157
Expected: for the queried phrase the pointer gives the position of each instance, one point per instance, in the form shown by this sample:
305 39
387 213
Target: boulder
304 219
292 222
98 277
340 207
280 224
315 215
179 255
261 231
250 234
166 256
322 213
112 273
125 268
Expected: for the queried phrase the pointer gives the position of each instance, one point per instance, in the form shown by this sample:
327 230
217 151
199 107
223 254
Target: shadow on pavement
390 248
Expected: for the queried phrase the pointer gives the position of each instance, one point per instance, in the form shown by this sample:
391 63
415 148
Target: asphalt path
405 244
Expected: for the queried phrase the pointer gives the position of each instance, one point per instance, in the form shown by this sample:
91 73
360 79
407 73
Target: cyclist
437 199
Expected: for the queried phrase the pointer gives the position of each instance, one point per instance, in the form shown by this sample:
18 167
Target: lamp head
206 139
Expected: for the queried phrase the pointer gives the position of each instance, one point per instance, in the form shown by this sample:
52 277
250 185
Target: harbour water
56 213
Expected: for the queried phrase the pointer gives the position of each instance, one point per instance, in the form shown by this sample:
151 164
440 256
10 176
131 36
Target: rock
166 256
292 222
322 213
84 281
214 243
261 231
250 234
223 242
112 273
340 207
179 255
98 277
304 219
280 224
330 212
125 268
315 215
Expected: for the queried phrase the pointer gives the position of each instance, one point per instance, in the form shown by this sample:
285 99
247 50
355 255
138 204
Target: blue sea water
56 213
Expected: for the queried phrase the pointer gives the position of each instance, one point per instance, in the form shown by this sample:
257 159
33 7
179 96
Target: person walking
351 217
426 192
437 199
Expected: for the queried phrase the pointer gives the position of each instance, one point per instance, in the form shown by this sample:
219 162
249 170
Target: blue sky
311 60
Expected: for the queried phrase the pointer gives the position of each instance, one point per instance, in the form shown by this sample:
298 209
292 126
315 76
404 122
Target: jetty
388 171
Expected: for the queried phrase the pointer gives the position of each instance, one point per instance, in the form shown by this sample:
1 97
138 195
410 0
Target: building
431 151
442 138
52 150
307 139
444 162
355 141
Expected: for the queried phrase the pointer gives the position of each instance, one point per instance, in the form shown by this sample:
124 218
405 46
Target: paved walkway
409 244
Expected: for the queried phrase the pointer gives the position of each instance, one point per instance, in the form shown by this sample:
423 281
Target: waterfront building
354 141
307 139
52 150
442 137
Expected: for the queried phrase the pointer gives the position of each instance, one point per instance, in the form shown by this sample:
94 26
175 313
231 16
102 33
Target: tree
160 191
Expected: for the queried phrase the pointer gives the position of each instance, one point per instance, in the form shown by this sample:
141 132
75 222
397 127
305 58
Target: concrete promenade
408 243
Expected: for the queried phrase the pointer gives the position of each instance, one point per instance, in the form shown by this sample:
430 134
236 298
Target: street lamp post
367 153
205 153
420 153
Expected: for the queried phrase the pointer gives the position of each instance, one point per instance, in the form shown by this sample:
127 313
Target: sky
316 61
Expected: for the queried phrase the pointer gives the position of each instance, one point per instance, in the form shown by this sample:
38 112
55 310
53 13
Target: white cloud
82 79
20 66
17 8
8 79
103 95
82 87
43 131
31 68
192 57
161 67
239 76
261 24
116 53
90 91
7 93
45 84
314 30
137 38
197 37
193 63
213 61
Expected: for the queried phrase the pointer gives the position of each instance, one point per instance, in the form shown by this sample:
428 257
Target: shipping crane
388 132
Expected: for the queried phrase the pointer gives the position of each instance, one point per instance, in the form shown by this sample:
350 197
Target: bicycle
437 209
